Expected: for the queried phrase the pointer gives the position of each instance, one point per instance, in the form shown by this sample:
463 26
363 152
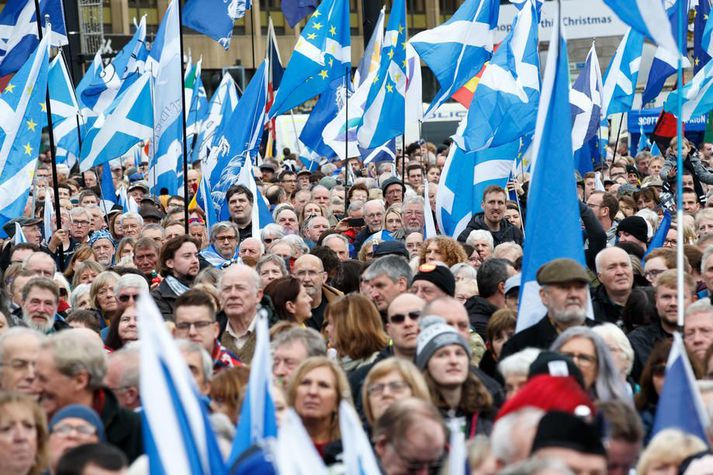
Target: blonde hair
408 371
670 446
342 387
104 279
41 456
359 331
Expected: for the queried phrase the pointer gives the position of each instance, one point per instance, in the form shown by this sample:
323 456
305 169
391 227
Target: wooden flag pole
53 149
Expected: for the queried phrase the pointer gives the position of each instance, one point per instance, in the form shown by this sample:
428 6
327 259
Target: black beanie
636 226
439 275
567 431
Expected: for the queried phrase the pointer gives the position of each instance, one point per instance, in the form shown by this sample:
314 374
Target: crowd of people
417 332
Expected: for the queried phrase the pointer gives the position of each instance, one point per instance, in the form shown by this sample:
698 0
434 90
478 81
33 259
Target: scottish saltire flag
108 191
465 176
384 111
371 59
622 74
429 224
702 35
649 18
66 119
322 54
127 122
585 99
680 405
456 50
215 18
504 105
257 414
697 95
18 31
261 212
237 139
385 153
206 204
178 438
295 10
295 453
165 64
358 455
221 106
330 102
197 108
102 84
19 235
23 114
664 63
553 190
659 236
644 142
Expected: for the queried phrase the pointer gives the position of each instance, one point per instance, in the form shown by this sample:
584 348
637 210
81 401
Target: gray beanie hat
435 334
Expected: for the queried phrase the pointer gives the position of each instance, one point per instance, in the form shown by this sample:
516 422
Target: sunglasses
399 318
126 298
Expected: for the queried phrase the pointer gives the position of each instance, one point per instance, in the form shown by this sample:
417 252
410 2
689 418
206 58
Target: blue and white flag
385 108
465 176
371 59
665 64
127 122
429 224
128 203
47 220
23 114
102 84
330 102
659 236
585 99
553 190
707 36
622 74
66 119
220 107
697 95
167 143
358 455
257 421
19 235
456 50
18 31
261 215
197 109
680 405
295 10
295 454
385 153
648 17
215 18
178 437
504 105
322 54
237 139
644 142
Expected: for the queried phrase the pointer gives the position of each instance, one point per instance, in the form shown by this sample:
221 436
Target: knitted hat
549 393
391 181
100 234
435 334
439 275
567 431
636 226
555 364
79 411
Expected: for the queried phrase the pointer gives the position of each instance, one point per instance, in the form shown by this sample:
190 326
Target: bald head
310 271
41 263
405 300
452 311
308 260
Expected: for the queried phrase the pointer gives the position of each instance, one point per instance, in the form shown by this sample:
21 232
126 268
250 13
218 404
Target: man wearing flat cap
564 291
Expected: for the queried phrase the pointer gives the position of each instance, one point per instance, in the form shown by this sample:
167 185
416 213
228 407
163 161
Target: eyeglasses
226 238
268 240
584 360
653 273
394 387
399 318
80 222
66 429
418 465
200 325
124 298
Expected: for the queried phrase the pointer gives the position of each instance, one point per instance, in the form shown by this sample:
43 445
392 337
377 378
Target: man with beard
39 306
564 293
250 250
412 215
179 266
102 243
493 218
223 244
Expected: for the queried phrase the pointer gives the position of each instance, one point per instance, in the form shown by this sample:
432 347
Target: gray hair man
339 244
291 348
616 274
19 348
40 298
698 329
122 375
412 214
131 224
240 294
386 278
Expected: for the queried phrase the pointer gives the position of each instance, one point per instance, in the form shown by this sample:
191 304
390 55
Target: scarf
178 287
211 255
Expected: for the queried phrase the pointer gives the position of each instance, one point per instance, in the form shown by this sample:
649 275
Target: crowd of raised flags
518 120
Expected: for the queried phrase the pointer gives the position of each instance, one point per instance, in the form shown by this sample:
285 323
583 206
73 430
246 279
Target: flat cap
560 271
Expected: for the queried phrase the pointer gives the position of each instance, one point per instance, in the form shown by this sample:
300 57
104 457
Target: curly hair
449 248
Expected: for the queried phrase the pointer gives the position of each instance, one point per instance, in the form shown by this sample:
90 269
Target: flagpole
618 134
346 142
252 36
183 116
53 149
679 167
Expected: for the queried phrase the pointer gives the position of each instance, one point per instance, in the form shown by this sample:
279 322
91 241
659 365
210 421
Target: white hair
518 363
613 335
501 439
480 235
652 220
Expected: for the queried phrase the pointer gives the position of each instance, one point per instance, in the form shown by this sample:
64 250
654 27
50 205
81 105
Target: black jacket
507 231
479 312
604 309
595 234
643 340
165 299
122 426
541 335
